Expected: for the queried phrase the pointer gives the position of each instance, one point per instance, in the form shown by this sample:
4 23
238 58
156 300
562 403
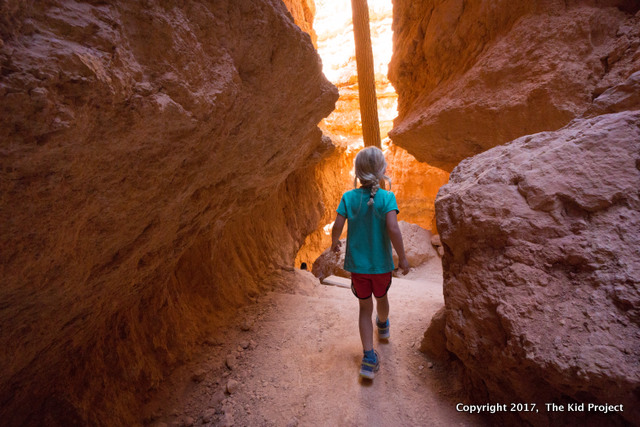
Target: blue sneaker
383 329
369 366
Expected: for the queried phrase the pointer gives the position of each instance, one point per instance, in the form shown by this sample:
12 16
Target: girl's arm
336 231
396 240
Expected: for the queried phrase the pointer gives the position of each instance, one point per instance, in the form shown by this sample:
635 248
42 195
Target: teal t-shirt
368 244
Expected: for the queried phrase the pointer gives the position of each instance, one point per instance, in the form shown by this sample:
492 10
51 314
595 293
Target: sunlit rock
415 185
303 13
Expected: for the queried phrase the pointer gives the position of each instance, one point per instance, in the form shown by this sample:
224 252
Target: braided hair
370 169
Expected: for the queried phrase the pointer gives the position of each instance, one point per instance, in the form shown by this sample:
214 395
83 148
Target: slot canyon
166 166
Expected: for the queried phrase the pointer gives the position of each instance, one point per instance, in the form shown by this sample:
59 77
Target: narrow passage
293 359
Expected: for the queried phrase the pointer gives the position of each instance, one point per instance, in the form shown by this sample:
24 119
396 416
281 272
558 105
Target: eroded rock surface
542 268
471 76
303 13
157 162
415 185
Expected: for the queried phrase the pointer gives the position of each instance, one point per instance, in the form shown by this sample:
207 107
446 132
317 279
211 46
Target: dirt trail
295 358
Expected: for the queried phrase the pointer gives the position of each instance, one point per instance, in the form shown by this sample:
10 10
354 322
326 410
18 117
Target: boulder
434 342
417 244
542 268
331 263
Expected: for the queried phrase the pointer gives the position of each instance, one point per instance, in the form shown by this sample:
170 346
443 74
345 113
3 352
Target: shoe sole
367 375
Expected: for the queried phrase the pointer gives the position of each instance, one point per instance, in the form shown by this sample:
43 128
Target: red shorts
363 285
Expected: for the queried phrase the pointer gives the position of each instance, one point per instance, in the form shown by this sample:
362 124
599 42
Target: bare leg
366 324
382 308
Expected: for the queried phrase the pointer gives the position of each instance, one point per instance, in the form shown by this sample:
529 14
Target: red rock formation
542 268
333 176
303 12
415 185
473 75
156 165
541 234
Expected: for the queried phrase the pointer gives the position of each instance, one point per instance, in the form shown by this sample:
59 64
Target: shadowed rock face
157 164
473 75
542 267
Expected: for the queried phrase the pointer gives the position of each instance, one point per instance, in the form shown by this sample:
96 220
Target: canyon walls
473 75
414 183
157 164
541 234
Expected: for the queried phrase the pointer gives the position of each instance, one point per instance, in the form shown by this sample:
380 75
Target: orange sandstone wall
540 233
415 185
303 12
334 176
156 164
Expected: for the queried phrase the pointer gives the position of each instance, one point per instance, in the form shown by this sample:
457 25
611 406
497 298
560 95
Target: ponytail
370 167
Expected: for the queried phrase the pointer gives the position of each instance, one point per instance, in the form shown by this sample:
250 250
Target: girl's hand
336 247
404 265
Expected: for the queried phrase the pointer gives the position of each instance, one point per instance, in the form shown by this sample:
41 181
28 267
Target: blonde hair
370 167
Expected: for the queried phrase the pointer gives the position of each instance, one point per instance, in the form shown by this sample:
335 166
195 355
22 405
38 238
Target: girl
373 227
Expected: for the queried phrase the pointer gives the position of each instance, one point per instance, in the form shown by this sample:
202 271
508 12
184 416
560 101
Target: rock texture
473 75
331 263
415 185
334 176
154 161
303 12
542 267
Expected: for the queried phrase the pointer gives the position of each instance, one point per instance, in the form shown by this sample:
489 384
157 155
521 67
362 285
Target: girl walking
373 226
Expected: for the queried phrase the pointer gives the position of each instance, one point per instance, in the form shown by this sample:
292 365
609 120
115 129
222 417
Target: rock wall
146 167
541 263
473 75
542 268
334 176
303 13
540 235
415 185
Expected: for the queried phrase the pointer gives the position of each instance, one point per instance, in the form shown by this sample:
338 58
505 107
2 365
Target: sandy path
301 362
